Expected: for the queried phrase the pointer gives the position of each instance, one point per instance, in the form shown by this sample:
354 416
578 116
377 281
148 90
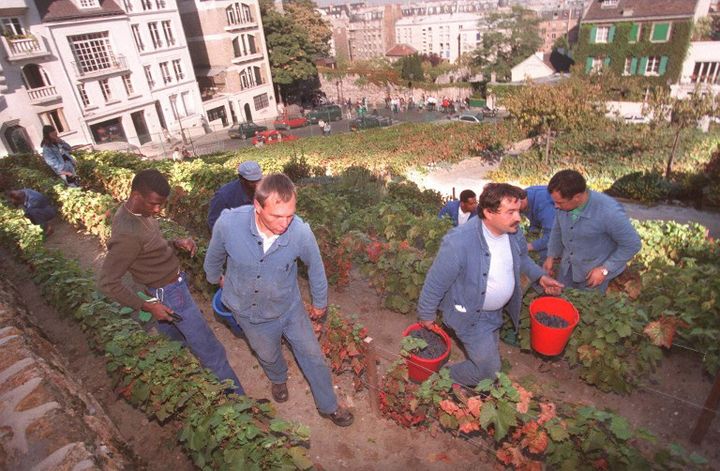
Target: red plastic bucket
420 369
548 340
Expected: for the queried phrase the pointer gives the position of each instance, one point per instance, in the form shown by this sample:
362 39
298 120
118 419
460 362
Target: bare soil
667 405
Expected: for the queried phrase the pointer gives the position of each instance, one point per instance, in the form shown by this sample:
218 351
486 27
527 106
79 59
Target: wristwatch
604 271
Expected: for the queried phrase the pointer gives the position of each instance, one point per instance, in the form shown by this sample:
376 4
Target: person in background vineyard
261 245
592 235
137 245
238 192
37 207
539 208
476 275
56 153
461 211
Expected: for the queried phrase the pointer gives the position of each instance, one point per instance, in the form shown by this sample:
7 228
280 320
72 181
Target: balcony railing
23 48
43 94
106 65
247 58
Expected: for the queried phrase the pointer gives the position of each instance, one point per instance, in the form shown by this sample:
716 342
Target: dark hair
465 195
151 181
568 183
47 129
494 193
278 183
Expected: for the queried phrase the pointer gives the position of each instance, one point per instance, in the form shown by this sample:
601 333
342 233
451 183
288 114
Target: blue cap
250 170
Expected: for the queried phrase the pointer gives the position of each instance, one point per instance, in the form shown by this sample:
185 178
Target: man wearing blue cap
236 193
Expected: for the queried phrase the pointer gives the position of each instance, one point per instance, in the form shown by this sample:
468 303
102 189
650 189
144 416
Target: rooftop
61 10
607 10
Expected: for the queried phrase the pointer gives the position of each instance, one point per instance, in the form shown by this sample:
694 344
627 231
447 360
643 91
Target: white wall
699 51
531 68
439 34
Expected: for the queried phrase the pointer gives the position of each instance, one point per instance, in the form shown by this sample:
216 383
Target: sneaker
341 417
280 392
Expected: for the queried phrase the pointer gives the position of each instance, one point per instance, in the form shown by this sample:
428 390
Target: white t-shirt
267 240
501 279
463 216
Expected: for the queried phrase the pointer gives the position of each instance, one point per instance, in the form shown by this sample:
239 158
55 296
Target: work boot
280 392
341 417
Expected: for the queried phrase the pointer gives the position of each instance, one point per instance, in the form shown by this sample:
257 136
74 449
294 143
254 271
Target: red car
289 122
271 137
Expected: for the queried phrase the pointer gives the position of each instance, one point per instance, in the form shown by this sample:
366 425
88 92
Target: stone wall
338 90
47 421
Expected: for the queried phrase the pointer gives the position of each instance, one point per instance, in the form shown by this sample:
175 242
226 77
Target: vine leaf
662 331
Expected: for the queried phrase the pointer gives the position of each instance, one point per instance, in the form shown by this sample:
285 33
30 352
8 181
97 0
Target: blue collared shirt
452 209
459 274
602 235
263 286
231 195
541 214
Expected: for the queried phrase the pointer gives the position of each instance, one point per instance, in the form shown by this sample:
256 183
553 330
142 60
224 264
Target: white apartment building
76 65
447 35
230 59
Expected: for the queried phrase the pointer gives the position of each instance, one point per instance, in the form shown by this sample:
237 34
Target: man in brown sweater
137 245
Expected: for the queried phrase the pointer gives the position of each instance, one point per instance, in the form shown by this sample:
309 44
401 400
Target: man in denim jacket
261 245
476 275
592 234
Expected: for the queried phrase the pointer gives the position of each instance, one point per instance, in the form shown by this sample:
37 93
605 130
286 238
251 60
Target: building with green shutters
644 41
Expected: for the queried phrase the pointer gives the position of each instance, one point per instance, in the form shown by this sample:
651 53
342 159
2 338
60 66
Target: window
149 77
105 89
165 72
155 35
138 38
634 35
627 69
238 13
89 4
83 95
92 51
261 101
167 29
11 26
56 119
608 3
595 64
174 107
601 34
177 67
187 102
160 4
653 66
127 81
146 4
706 72
660 32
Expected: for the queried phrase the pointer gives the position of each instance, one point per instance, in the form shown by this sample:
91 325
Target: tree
678 114
411 68
306 17
554 108
511 38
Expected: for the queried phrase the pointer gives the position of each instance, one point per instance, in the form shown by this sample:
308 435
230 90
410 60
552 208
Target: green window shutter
663 65
660 32
611 34
633 66
634 30
588 65
643 65
606 62
593 32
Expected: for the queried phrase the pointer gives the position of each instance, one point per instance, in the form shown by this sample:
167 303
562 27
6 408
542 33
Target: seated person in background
56 153
592 235
236 193
461 211
37 207
539 208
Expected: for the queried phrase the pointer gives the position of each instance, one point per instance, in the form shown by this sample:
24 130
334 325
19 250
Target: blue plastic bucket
224 313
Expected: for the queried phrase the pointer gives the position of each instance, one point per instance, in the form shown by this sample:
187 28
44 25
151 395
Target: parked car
271 137
326 113
367 122
289 122
489 112
245 130
471 117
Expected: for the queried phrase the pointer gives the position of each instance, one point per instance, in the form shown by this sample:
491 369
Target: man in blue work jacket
237 193
592 235
261 244
476 275
460 211
539 208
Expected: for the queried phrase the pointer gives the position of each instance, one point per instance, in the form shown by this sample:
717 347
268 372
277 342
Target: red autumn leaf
536 440
662 331
449 406
547 412
510 455
474 404
352 350
600 463
525 396
374 250
468 426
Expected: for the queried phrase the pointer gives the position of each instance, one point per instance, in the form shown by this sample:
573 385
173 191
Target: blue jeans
41 216
479 334
193 331
265 340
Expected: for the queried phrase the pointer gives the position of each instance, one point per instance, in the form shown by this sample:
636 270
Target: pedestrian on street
259 246
138 246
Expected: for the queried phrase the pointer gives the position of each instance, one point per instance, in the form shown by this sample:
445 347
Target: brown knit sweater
136 245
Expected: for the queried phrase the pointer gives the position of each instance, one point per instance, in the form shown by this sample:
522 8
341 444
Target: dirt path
472 173
372 443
